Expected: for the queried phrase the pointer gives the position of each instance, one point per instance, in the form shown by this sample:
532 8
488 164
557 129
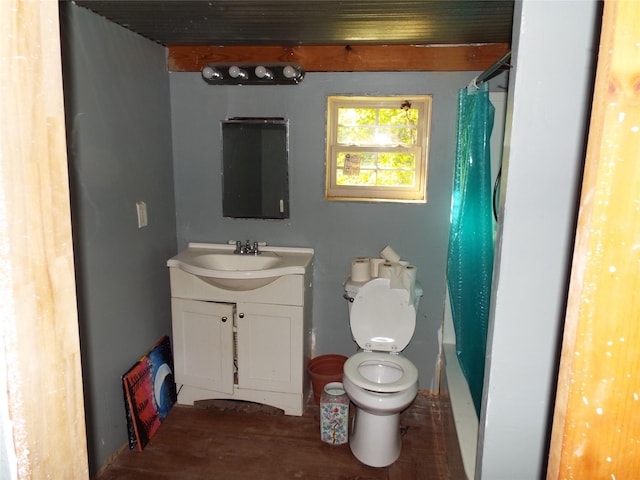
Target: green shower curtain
470 257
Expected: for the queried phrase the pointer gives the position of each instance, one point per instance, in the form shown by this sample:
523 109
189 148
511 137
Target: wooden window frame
415 194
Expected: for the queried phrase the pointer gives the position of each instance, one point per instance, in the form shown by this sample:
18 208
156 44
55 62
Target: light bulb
210 73
263 72
291 72
237 72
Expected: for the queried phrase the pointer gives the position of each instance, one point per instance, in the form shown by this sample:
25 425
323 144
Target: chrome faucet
247 248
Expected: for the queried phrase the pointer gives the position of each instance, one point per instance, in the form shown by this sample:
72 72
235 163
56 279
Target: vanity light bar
253 74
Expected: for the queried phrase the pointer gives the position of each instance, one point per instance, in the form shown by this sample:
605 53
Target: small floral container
334 414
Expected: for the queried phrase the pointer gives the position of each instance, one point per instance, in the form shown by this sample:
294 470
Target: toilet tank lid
353 287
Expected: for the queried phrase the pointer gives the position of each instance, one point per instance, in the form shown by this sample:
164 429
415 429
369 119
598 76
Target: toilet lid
382 319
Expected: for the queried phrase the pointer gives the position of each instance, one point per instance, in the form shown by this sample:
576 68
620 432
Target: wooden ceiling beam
340 58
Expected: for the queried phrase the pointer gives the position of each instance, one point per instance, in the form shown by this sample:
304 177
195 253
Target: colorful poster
150 393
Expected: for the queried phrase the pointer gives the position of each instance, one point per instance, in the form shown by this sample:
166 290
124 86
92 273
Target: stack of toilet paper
401 274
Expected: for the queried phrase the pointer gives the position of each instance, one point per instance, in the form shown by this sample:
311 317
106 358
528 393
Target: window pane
396 160
356 135
395 126
398 116
363 178
396 136
357 159
395 178
376 136
356 116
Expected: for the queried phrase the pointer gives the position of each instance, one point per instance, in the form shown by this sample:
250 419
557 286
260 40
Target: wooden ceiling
452 34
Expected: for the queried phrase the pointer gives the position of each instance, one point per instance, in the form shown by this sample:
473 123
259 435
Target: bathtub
461 422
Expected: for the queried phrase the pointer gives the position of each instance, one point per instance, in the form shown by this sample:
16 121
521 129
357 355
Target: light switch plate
141 208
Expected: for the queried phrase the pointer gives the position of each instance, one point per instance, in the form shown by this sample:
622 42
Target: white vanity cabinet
251 345
203 354
270 347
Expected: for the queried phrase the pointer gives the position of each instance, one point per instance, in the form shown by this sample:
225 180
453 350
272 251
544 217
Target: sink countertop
294 260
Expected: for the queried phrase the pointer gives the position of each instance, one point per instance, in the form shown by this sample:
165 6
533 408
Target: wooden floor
239 440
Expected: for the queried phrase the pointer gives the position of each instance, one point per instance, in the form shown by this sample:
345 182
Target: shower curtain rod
493 70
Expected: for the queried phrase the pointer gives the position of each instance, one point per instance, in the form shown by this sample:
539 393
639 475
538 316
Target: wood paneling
312 22
596 431
38 302
355 58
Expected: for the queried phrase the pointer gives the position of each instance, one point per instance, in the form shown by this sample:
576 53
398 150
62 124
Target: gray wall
338 231
554 50
119 141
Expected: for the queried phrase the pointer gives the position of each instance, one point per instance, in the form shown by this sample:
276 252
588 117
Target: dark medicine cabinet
255 168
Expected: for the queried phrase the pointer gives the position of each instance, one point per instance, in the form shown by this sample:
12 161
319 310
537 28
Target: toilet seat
381 317
355 365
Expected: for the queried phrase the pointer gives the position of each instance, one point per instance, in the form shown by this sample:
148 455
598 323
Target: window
377 148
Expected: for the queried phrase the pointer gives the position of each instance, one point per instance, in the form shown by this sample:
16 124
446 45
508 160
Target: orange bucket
325 369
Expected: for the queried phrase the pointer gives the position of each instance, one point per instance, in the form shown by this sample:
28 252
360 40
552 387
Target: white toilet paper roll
375 263
360 270
389 254
408 277
386 270
408 281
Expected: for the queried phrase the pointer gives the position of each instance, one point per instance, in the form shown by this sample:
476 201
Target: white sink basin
233 262
217 265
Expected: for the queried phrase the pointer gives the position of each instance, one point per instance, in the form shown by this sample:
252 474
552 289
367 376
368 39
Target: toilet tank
351 289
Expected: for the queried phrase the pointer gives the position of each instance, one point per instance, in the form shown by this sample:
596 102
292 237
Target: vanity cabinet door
203 344
270 347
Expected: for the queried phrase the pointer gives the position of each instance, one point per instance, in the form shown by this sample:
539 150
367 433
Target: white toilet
378 380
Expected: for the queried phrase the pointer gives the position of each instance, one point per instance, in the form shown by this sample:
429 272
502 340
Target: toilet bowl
375 437
378 379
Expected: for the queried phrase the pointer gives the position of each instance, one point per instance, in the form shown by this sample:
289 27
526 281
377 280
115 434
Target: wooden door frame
41 403
596 426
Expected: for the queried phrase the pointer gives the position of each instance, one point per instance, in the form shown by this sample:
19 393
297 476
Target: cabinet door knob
241 315
224 319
